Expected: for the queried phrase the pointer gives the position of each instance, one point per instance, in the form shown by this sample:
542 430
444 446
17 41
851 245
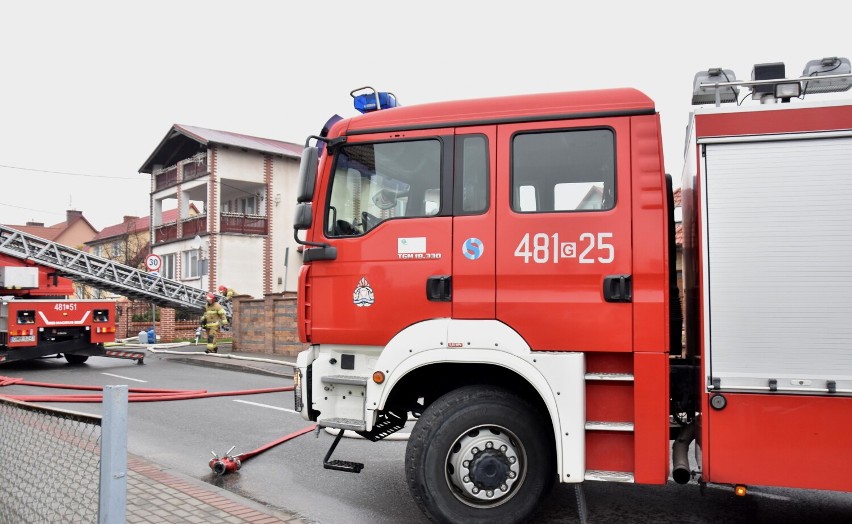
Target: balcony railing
166 178
195 225
195 167
165 232
243 223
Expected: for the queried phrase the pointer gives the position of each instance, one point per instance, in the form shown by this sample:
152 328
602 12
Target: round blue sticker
473 248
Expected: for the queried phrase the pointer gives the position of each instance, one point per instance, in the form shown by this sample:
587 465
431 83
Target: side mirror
307 175
302 218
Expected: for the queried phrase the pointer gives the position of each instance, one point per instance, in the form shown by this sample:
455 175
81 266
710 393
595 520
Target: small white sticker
411 245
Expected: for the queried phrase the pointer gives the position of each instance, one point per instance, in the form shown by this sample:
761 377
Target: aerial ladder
105 274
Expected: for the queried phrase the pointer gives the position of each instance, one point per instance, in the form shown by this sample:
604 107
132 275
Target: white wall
240 264
285 173
239 165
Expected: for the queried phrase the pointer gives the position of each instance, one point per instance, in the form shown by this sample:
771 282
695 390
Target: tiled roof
45 232
133 225
207 136
52 232
184 141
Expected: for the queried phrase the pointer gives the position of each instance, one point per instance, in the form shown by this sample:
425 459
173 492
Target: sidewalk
263 363
156 495
159 495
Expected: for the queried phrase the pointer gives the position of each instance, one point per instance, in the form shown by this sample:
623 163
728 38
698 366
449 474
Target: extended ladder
103 273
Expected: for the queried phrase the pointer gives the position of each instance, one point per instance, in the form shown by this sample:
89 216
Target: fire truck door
563 233
473 223
387 207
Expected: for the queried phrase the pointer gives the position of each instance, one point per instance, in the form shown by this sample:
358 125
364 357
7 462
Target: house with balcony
233 223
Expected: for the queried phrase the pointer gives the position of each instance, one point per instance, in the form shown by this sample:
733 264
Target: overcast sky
89 88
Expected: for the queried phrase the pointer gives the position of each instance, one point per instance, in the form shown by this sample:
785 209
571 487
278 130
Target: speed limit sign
153 262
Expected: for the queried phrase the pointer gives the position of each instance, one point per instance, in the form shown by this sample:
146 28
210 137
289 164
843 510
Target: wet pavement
156 494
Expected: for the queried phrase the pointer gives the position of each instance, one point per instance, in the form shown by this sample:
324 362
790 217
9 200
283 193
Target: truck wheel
76 359
479 454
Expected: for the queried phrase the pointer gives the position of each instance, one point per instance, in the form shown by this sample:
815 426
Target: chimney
71 215
36 224
129 218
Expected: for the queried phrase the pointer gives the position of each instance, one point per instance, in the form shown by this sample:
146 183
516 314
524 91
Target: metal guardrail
63 466
103 273
52 471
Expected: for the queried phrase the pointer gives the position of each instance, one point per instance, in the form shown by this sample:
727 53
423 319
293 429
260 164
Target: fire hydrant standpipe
229 463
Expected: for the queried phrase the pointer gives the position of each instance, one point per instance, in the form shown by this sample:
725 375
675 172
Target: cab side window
471 167
563 171
377 182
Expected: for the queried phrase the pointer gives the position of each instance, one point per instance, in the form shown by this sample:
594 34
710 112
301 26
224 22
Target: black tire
479 454
76 359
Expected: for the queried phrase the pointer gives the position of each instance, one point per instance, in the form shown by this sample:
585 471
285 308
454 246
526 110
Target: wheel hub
489 469
484 466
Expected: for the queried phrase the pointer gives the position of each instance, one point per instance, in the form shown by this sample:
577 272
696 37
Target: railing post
112 497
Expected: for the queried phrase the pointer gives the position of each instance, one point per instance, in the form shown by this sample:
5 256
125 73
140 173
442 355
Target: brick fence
259 325
266 325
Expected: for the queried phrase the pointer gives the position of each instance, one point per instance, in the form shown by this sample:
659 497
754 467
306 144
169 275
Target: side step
343 423
609 476
592 425
349 380
616 377
340 465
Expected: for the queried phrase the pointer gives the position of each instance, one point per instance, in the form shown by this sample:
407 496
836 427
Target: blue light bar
369 102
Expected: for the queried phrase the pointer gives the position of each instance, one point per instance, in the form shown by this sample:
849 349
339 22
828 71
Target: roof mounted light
373 100
784 91
827 67
772 71
712 87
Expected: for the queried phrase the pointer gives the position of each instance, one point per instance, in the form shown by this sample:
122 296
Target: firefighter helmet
211 297
223 288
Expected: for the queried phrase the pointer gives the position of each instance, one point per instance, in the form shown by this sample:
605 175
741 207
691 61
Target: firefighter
213 317
227 292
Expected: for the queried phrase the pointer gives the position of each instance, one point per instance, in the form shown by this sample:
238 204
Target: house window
115 249
167 269
190 264
246 205
563 171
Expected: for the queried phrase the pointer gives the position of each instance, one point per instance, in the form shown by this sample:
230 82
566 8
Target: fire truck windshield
376 182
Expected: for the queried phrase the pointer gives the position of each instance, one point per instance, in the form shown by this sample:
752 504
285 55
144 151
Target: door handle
439 288
618 288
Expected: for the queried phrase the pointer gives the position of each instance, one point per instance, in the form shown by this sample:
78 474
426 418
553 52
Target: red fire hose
229 462
219 465
134 394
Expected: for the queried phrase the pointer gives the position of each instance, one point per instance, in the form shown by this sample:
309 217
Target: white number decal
523 249
544 248
591 239
606 247
541 245
65 307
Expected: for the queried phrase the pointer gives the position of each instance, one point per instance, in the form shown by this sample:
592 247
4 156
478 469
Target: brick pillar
166 327
123 313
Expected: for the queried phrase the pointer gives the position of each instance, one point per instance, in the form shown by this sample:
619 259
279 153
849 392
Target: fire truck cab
503 270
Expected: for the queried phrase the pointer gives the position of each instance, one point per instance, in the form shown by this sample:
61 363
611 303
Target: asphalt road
290 477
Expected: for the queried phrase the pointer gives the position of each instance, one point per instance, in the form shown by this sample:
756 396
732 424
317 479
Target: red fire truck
505 271
38 320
